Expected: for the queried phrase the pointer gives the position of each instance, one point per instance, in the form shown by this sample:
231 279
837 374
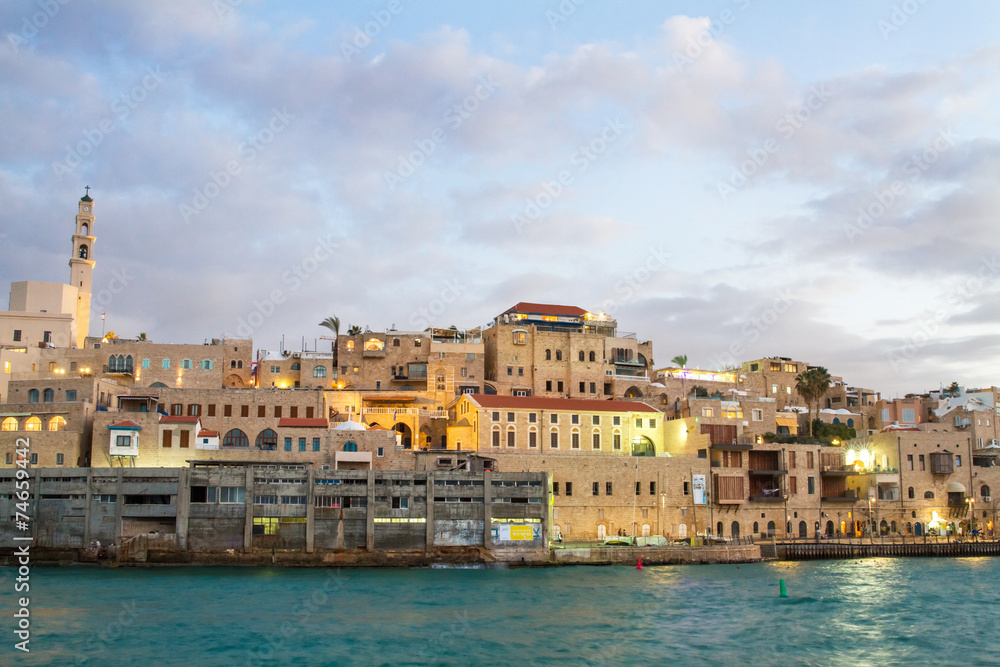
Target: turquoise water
877 612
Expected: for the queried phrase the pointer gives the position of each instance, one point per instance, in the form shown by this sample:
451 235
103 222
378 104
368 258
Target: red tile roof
293 422
541 403
547 309
127 423
178 419
203 433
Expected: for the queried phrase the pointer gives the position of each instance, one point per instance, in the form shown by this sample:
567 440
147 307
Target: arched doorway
829 528
405 434
803 529
735 528
602 531
234 381
883 527
633 392
918 529
645 530
770 529
682 531
642 446
718 529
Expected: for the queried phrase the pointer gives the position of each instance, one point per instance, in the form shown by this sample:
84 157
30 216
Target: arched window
803 529
558 355
112 363
374 345
57 423
532 438
574 439
9 424
495 437
548 355
735 528
319 372
395 342
511 437
236 438
770 528
232 363
121 362
836 420
850 422
439 381
48 396
554 438
350 446
984 491
83 252
267 439
595 439
296 366
128 364
85 228
910 493
239 364
593 357
33 424
582 355
929 494
756 527
350 346
33 396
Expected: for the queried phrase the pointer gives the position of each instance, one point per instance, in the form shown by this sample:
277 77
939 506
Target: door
735 528
602 532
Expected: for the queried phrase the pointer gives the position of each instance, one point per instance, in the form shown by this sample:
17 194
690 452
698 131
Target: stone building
564 352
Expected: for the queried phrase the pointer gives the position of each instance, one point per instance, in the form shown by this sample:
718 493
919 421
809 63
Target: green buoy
781 585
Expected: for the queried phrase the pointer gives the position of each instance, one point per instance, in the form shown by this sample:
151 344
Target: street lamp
972 515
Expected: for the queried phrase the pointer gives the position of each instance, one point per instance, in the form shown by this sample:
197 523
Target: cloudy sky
728 178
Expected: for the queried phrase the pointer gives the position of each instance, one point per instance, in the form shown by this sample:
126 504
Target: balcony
761 471
841 470
848 496
769 498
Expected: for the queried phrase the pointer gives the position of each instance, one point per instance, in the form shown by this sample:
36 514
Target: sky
730 179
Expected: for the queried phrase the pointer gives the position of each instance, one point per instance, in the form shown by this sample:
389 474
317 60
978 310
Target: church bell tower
81 265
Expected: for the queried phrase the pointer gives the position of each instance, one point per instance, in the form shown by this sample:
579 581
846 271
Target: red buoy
639 566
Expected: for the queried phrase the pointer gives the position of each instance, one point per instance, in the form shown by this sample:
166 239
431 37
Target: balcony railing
848 496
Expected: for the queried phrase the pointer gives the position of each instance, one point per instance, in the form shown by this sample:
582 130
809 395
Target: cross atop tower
87 188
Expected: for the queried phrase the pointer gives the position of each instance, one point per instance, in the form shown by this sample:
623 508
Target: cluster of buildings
625 445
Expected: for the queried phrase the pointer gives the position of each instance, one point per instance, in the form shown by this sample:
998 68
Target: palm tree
681 360
353 330
333 324
141 336
812 384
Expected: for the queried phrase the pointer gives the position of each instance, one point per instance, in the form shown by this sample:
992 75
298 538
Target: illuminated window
9 424
374 345
57 423
33 424
520 336
706 412
6 367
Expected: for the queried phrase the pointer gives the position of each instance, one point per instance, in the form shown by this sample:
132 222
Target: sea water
871 612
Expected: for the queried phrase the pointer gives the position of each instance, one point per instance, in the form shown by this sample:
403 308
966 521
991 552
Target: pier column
248 482
429 535
86 508
310 511
370 518
488 510
183 507
120 490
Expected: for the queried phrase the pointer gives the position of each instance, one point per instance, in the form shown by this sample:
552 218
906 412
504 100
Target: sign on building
698 486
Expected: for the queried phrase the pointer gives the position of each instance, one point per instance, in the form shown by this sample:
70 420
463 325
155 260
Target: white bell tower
81 264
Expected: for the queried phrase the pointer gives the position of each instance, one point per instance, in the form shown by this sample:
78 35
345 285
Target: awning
790 422
956 487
